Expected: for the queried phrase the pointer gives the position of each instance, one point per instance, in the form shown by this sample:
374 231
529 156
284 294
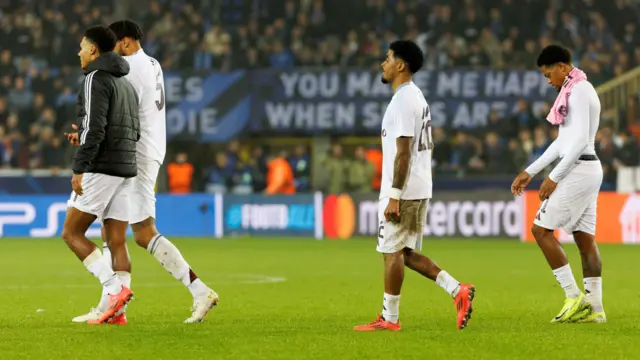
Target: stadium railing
615 93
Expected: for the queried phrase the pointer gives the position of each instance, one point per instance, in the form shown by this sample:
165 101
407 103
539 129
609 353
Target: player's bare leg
148 237
557 259
592 278
76 225
462 294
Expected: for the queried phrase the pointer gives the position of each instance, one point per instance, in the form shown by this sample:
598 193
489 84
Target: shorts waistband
588 158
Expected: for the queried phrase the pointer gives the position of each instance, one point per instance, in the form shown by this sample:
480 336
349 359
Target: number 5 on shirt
425 131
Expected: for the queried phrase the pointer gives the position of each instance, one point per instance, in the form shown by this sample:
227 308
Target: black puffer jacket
108 120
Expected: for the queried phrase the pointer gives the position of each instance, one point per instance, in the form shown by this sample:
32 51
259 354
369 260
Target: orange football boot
116 302
118 320
379 324
463 302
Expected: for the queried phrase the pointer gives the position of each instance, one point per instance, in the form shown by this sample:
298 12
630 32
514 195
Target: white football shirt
407 115
147 78
577 134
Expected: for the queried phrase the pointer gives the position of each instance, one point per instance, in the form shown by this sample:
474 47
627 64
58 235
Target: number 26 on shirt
424 131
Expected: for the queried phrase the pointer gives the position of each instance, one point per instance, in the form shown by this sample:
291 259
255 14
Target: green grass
328 287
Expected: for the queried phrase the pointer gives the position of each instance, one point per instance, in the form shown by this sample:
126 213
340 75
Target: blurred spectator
501 126
628 152
605 148
494 155
259 169
360 172
336 170
180 174
301 165
20 97
279 175
517 161
39 69
220 175
374 156
540 143
523 118
233 153
462 152
441 149
241 180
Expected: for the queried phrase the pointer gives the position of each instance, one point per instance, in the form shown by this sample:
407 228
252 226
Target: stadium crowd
39 68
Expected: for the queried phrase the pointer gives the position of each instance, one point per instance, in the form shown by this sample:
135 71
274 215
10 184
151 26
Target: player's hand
547 188
76 183
519 183
73 137
392 212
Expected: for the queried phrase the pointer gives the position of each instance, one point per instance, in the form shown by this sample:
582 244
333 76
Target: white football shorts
143 195
572 206
393 237
104 196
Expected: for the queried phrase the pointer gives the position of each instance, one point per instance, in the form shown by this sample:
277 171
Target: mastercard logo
339 216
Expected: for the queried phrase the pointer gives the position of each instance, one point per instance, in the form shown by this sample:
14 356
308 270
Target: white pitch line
231 279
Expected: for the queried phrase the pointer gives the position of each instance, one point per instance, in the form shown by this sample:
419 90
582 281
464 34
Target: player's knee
539 232
68 235
407 252
144 232
395 256
143 238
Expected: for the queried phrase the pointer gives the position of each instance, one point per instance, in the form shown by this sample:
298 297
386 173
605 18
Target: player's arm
93 127
550 155
579 129
405 130
402 161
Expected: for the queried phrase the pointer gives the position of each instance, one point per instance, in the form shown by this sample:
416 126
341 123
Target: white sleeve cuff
395 193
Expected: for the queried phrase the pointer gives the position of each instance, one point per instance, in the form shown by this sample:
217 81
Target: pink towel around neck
560 107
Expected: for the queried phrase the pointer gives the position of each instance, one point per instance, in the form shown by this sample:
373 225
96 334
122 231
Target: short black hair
126 28
554 54
409 52
102 37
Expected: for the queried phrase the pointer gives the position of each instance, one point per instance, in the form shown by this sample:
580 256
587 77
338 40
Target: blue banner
207 108
35 184
341 102
269 215
43 216
216 107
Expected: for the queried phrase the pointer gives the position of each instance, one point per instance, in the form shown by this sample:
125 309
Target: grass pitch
300 298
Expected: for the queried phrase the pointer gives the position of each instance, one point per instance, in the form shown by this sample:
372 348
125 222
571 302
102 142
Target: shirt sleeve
579 128
93 128
550 155
404 120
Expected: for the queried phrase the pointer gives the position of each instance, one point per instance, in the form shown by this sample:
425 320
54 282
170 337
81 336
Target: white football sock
104 298
448 283
106 255
125 279
391 307
565 278
198 288
170 258
593 291
96 265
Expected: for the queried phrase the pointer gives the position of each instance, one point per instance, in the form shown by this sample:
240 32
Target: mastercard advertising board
618 218
451 214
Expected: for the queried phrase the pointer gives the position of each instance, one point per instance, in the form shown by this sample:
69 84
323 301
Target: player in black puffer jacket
108 120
